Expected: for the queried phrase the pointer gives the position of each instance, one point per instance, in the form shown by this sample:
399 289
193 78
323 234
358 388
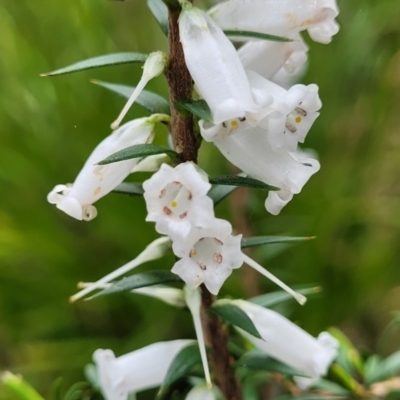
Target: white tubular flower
251 151
139 370
292 113
208 255
279 17
177 200
267 58
153 67
202 392
95 181
215 66
285 341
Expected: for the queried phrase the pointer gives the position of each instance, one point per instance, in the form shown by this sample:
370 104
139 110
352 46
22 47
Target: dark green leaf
219 192
182 365
144 279
133 189
160 13
236 316
262 362
244 181
256 35
75 392
150 101
101 61
138 151
274 298
260 240
199 108
172 4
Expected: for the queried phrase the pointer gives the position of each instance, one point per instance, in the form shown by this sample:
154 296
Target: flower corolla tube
95 181
177 200
208 255
285 341
136 371
215 67
279 17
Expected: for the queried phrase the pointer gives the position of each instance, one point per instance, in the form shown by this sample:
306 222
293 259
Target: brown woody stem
185 143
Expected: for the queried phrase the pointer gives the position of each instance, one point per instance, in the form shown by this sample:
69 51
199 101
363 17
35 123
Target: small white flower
288 343
208 255
95 181
279 17
177 200
136 371
215 67
153 66
267 58
249 149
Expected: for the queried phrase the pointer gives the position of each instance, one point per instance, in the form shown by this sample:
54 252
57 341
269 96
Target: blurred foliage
50 125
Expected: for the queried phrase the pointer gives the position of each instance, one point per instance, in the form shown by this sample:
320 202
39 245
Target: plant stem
185 143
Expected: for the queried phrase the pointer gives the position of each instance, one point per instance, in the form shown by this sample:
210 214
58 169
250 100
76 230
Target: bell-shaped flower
136 371
177 200
208 255
279 17
215 67
292 112
95 181
288 343
153 66
251 151
267 58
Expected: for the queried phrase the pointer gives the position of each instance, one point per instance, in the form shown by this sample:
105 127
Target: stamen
234 123
298 120
242 119
162 193
184 215
250 262
167 210
224 124
174 204
193 253
301 111
290 127
217 257
202 265
219 242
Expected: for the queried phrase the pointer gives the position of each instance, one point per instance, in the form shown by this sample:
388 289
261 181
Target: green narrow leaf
242 181
199 108
262 362
138 151
274 298
236 316
256 35
182 365
101 61
19 386
144 279
133 189
160 13
219 192
260 240
76 391
152 102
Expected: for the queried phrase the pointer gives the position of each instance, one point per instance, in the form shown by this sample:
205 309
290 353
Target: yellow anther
194 252
174 204
298 120
234 123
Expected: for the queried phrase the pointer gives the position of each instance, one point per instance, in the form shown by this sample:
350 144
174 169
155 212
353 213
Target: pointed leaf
274 298
235 316
152 102
133 189
219 192
260 240
149 278
243 181
160 13
246 35
101 61
262 362
199 108
138 151
182 365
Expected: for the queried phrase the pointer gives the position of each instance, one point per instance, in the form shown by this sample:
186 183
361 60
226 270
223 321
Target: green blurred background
50 125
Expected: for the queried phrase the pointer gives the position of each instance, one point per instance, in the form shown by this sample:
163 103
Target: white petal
215 66
202 392
279 17
189 272
139 370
